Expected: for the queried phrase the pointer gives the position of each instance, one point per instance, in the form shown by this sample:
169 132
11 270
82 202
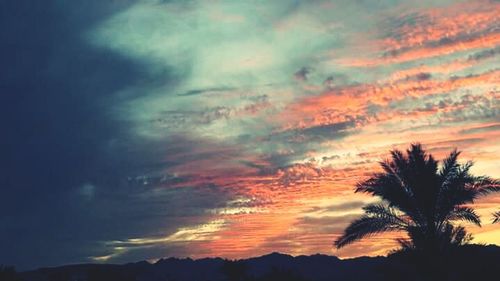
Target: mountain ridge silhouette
474 261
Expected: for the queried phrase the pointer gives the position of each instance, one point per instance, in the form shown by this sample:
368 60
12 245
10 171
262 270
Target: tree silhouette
280 274
8 273
235 270
421 198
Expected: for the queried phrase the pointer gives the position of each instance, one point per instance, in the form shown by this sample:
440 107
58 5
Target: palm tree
423 199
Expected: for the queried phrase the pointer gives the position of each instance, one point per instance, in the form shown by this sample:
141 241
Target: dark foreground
473 262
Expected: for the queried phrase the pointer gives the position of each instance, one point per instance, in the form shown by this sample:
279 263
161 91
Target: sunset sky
135 130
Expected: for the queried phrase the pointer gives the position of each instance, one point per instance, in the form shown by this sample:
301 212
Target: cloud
226 128
182 235
485 54
208 90
345 206
87 191
327 224
185 120
302 73
434 31
57 133
480 129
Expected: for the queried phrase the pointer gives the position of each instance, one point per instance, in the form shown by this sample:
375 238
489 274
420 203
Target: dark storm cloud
63 158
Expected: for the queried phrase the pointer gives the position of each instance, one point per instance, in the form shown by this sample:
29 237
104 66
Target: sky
140 129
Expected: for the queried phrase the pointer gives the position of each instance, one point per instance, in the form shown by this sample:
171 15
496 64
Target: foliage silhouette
423 199
279 274
103 274
235 270
496 217
239 271
8 273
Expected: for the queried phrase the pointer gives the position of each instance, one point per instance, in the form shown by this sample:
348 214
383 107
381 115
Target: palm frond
392 189
456 189
484 185
405 244
384 211
450 237
450 164
496 217
466 214
366 226
416 153
459 236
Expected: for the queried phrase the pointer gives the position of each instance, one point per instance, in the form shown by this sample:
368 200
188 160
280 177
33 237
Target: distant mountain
473 262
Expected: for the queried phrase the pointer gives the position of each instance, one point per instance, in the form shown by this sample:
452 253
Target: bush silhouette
8 273
235 270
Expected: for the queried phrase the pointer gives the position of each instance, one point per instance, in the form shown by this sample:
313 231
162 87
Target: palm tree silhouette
421 198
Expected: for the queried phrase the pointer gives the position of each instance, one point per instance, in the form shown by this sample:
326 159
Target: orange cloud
436 32
352 103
